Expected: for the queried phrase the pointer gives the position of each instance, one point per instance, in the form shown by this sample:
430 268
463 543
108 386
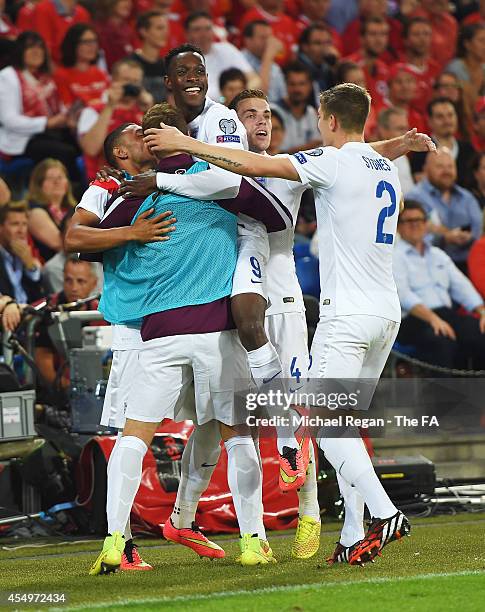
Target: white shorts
348 356
287 332
252 258
123 366
354 346
216 364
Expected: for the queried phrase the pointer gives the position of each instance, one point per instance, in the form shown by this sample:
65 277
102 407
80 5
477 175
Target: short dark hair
164 113
349 103
185 48
12 207
247 94
276 113
70 43
194 16
343 68
466 34
435 102
408 24
365 22
413 205
143 20
386 113
24 41
297 68
307 32
248 31
111 141
232 74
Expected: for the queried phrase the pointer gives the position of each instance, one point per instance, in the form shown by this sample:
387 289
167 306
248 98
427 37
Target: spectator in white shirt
219 56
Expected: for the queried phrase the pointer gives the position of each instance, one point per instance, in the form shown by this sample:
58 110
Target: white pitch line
284 588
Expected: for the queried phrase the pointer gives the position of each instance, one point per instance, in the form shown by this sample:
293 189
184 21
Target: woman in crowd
115 29
469 65
50 199
78 78
31 121
448 86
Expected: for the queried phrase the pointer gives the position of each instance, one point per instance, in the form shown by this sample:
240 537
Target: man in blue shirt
455 215
20 275
428 283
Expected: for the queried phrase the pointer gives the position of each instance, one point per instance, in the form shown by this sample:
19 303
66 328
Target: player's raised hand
156 229
167 139
139 186
417 141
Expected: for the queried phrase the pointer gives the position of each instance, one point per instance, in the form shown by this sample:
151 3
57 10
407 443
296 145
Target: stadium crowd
71 72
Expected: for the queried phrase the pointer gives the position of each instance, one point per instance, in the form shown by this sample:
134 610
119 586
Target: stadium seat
405 349
308 276
301 249
16 172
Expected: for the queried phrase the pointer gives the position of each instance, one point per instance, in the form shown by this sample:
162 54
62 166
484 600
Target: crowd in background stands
70 72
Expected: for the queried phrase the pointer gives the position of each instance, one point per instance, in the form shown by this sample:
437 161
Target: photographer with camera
126 102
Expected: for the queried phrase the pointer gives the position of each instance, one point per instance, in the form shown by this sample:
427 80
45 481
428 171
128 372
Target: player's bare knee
140 429
230 431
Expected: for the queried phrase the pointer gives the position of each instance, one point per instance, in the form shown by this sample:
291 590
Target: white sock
377 500
245 482
127 530
353 527
266 366
123 481
350 459
199 461
308 494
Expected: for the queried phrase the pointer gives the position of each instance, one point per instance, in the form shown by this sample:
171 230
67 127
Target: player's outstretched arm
171 140
410 141
84 237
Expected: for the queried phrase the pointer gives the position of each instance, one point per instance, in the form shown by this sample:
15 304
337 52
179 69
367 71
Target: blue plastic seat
16 165
405 349
308 275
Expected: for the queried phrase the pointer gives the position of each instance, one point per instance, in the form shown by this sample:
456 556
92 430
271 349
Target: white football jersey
357 196
218 124
283 288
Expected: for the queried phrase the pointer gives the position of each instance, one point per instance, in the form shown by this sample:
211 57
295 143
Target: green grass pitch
440 567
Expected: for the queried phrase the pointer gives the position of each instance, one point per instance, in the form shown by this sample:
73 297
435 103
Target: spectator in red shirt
52 19
374 38
31 121
477 16
368 9
283 26
176 32
417 44
116 32
403 85
444 26
126 101
25 16
314 12
476 257
78 77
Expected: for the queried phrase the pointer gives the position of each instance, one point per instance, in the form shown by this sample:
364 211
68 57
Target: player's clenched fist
156 229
